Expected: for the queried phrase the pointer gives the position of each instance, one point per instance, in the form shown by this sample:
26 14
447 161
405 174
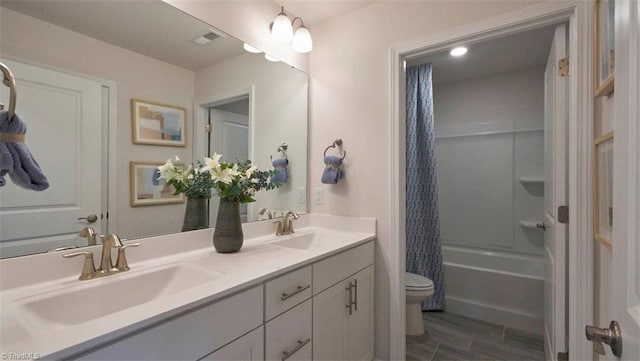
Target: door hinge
563 67
207 128
563 214
563 356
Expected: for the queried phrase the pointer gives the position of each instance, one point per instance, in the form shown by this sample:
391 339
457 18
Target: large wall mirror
78 65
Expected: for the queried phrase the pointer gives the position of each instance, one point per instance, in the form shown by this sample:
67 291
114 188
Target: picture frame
604 57
156 123
146 189
603 189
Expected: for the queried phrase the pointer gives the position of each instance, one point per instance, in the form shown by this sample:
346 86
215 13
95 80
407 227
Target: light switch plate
318 195
302 195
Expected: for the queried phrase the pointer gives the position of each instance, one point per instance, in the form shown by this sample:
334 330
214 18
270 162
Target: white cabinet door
361 319
331 323
341 332
249 347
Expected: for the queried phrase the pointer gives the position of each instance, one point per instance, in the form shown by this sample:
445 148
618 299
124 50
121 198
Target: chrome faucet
107 267
267 211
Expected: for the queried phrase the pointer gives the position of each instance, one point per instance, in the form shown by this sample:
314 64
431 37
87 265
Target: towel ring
9 81
282 149
337 142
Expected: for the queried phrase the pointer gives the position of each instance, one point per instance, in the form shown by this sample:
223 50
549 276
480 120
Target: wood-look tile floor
451 337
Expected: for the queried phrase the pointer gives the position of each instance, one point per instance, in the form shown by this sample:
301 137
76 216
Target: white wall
137 76
489 134
349 90
280 110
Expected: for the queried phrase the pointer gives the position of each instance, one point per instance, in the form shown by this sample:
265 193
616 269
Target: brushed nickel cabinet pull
301 343
356 296
349 304
298 289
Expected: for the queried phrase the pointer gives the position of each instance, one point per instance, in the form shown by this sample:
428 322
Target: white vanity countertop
24 279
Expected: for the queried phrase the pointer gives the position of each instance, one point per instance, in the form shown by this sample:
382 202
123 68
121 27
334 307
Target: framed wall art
158 124
604 46
603 189
147 189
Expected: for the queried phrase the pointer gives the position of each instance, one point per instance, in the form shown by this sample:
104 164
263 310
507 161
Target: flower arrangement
236 182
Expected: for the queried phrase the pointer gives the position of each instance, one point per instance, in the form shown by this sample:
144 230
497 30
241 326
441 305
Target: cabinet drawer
190 336
336 268
287 291
288 336
249 347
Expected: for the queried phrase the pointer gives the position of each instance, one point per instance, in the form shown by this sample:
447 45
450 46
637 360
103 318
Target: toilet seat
414 282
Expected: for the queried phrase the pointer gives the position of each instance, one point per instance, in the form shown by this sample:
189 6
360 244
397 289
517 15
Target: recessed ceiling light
251 49
458 51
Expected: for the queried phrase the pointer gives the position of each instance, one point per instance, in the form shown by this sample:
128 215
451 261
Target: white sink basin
311 240
102 297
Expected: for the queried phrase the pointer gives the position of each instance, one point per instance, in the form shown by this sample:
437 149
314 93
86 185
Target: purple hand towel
332 172
282 173
15 158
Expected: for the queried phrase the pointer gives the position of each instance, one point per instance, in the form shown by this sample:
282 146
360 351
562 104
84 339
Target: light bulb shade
302 42
281 30
251 49
271 58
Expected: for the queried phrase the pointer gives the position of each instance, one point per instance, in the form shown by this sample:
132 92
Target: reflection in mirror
77 69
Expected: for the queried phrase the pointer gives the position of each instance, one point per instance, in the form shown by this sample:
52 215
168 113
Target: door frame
579 14
201 110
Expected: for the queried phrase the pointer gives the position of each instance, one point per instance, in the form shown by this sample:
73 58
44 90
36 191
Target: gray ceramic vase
227 236
196 215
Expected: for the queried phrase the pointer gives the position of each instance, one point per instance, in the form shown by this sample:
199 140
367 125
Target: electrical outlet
318 195
302 195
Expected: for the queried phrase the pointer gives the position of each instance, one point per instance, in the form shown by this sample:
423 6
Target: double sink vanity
304 296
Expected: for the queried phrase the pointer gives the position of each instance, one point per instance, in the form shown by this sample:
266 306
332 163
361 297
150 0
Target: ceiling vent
206 38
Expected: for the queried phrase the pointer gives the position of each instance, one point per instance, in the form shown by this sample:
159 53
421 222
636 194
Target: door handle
90 218
611 336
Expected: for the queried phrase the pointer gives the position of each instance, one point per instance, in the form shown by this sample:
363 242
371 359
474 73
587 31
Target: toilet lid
417 282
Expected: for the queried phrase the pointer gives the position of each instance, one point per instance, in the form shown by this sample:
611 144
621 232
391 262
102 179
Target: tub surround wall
489 146
350 98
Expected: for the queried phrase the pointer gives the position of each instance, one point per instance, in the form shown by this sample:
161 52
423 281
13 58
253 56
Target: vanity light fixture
281 28
251 49
270 58
282 31
458 51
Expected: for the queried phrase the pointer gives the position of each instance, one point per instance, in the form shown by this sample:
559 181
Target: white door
555 238
63 114
626 191
230 137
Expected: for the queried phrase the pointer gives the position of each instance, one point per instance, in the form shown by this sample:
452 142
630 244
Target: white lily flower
250 171
168 170
211 164
222 175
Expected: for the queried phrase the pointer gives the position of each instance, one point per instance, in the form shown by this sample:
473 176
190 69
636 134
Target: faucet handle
121 262
280 227
88 268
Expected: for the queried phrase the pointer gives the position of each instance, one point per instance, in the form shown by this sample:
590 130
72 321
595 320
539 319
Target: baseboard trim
489 313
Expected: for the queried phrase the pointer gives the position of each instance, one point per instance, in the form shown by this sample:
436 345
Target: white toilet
418 289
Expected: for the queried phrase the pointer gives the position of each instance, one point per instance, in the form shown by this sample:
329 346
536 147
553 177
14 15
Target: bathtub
497 287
